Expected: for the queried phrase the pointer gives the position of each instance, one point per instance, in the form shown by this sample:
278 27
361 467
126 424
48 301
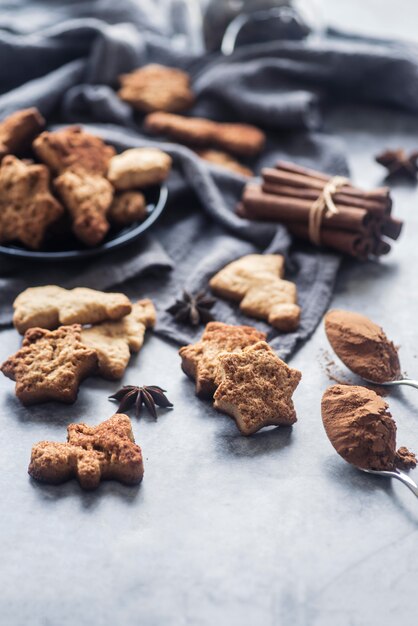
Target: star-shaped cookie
27 207
91 454
256 388
50 365
200 360
72 148
114 341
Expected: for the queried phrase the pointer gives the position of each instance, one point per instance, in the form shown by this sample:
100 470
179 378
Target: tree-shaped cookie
91 454
50 365
256 281
256 388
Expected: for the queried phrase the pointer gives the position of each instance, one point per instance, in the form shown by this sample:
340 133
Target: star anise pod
149 396
398 162
192 309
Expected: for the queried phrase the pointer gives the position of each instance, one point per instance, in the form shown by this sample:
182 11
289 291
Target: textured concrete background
272 529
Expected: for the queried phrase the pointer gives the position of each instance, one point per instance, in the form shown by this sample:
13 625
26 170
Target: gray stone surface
272 529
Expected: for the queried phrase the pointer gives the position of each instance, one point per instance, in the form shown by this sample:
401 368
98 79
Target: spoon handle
404 381
404 478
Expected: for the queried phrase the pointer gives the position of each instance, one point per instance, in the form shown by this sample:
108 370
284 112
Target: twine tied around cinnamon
324 207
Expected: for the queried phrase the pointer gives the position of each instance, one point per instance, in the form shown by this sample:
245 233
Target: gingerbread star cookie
256 388
75 149
139 167
92 453
157 88
50 365
18 130
256 281
114 341
200 361
50 306
27 207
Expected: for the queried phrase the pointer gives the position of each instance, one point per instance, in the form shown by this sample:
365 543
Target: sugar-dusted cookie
139 167
241 139
18 130
200 361
256 388
127 207
157 88
50 365
114 341
223 159
50 306
87 198
256 282
75 149
27 207
92 453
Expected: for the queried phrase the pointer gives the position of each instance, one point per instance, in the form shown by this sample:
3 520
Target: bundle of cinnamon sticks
360 225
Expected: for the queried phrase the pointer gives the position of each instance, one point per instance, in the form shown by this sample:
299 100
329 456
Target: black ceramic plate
68 247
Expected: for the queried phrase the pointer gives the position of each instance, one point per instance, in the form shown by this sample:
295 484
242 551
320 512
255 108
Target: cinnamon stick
354 244
376 207
381 247
380 192
261 205
287 195
276 176
300 169
392 228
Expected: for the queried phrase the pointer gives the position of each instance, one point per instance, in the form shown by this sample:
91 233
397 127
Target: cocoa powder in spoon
362 345
362 430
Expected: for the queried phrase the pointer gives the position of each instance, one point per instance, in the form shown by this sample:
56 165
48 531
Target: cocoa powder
405 459
362 430
337 375
362 346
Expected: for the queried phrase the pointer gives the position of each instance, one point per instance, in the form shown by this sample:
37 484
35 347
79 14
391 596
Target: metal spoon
404 478
394 383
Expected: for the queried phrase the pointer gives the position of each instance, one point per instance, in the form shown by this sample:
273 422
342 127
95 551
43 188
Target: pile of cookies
78 185
69 335
234 365
72 334
246 379
161 93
